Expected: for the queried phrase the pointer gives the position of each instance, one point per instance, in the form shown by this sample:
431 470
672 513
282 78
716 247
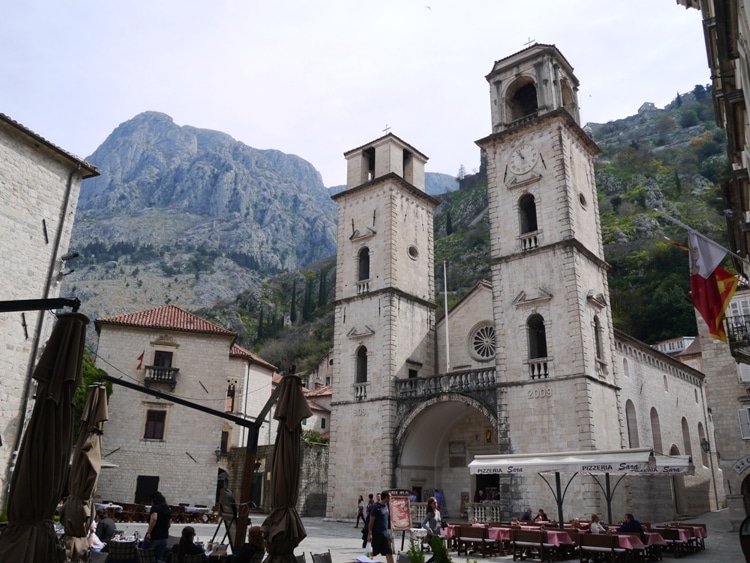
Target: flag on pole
711 286
140 361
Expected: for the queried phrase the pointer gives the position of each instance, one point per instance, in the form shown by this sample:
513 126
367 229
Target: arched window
598 337
522 99
632 423
656 431
527 209
701 438
666 384
364 264
568 97
686 437
229 402
362 365
625 367
537 337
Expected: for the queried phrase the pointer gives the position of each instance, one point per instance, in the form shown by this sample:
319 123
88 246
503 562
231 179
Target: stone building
39 186
156 443
532 362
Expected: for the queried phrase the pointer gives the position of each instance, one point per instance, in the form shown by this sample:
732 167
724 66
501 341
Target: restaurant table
105 506
222 556
501 534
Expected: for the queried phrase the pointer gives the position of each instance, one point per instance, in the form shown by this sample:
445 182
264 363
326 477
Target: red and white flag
711 286
140 361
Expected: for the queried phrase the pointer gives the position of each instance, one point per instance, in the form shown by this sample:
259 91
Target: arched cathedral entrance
435 442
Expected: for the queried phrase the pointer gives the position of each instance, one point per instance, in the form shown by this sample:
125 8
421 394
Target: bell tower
385 315
553 322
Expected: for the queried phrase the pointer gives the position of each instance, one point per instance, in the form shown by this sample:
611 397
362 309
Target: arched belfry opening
522 99
527 211
568 97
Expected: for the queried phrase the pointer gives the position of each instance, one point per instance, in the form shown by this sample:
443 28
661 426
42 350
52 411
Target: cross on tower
387 128
529 42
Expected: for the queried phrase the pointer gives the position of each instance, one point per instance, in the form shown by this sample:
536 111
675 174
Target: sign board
400 508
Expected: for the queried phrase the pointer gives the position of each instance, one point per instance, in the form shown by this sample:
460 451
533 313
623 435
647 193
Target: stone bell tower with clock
550 295
385 316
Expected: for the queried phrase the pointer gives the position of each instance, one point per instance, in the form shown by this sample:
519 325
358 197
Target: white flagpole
692 230
447 332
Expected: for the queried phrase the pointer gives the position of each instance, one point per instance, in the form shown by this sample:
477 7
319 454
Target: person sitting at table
630 525
93 541
105 526
186 546
255 545
596 527
527 516
541 516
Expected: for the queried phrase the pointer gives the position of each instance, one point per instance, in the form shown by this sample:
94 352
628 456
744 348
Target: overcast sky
317 78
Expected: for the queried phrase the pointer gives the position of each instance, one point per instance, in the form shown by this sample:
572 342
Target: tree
293 306
307 308
322 289
448 224
461 173
678 100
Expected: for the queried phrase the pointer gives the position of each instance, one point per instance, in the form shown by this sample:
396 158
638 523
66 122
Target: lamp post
705 445
217 451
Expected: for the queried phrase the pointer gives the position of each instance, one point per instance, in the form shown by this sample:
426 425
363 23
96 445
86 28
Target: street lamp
217 451
705 445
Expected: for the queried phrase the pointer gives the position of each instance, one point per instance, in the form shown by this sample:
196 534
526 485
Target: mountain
192 215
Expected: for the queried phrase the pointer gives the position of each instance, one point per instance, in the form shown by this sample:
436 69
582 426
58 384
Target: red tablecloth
630 542
654 538
559 537
499 534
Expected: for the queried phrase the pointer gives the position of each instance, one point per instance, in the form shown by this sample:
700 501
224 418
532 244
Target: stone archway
745 490
678 487
435 443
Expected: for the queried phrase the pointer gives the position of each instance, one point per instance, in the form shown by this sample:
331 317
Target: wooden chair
324 557
146 555
596 546
122 551
528 543
471 538
97 557
300 558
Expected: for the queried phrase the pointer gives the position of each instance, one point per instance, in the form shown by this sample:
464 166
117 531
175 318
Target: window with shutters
155 425
744 416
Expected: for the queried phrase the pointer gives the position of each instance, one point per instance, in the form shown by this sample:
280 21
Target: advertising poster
400 512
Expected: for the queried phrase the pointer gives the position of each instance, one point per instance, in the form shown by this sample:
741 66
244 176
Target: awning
609 461
637 461
634 461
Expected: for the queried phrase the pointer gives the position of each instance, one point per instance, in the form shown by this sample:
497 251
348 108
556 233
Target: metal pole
447 332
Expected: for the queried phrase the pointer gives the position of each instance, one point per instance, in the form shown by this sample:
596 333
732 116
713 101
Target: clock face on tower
523 159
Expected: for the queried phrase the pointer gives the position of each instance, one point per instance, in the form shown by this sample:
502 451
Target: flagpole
447 334
692 230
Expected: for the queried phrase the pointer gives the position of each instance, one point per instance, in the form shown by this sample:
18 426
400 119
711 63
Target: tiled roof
169 317
321 392
316 407
90 169
239 352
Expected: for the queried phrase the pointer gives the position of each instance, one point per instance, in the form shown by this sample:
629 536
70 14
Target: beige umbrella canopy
77 512
283 528
42 464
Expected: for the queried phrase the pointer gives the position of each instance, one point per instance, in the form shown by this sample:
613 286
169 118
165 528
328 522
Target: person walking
157 535
360 511
379 528
431 523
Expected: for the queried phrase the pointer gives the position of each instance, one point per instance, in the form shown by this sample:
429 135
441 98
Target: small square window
155 425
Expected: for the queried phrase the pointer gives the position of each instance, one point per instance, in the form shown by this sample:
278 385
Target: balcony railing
738 334
539 368
529 241
363 287
157 374
360 391
459 381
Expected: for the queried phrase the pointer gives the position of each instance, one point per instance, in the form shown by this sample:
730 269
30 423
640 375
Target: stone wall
33 185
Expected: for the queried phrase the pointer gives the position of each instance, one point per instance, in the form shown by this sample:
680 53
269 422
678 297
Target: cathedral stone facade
532 362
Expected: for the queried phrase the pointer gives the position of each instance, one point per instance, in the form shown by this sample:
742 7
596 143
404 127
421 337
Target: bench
529 543
595 546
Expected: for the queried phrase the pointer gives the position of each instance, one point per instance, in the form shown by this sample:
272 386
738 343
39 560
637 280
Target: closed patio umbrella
283 528
42 465
76 513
